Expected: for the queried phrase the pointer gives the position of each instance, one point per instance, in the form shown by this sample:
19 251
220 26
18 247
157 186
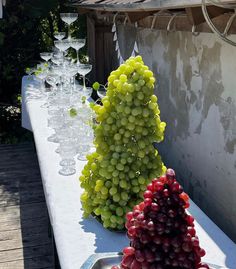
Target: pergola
170 15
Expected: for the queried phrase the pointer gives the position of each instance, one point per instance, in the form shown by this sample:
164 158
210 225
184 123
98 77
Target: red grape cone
161 232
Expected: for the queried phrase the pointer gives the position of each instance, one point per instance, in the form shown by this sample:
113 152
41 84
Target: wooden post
91 46
101 50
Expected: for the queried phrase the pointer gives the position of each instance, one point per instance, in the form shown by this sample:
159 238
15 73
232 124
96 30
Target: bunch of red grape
125 161
161 233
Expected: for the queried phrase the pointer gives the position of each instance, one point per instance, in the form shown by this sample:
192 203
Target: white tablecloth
77 238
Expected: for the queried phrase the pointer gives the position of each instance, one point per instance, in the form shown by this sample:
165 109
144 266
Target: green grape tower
125 161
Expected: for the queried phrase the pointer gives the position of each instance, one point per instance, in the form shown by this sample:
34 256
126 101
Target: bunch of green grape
125 161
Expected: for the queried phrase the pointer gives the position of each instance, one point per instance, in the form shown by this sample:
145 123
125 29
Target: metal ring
194 30
125 21
170 22
114 18
219 4
229 23
212 26
155 18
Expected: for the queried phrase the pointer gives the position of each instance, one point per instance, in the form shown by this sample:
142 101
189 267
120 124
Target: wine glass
77 44
62 45
101 92
85 142
46 56
67 152
55 122
59 35
41 73
69 18
57 58
84 69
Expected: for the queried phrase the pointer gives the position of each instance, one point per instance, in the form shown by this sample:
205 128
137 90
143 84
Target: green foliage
26 30
10 127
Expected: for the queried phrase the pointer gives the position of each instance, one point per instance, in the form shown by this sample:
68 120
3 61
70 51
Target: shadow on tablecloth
106 241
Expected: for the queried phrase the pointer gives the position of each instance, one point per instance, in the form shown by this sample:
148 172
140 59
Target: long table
77 238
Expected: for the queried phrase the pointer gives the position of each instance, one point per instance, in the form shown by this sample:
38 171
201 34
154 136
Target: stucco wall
197 97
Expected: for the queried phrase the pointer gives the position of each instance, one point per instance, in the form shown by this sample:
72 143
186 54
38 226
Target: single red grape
150 187
136 212
158 186
141 206
191 231
170 174
148 194
189 219
202 252
166 193
128 251
129 215
184 196
132 231
127 260
136 207
147 201
162 179
155 207
175 187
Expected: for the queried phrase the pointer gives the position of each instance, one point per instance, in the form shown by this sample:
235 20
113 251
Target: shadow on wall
198 101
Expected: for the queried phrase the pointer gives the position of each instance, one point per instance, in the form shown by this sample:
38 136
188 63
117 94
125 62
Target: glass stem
77 53
84 82
61 84
74 82
69 31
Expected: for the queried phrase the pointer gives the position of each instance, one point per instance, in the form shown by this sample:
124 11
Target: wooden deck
24 238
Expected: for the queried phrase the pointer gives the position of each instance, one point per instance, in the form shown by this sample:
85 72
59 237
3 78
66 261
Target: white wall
197 96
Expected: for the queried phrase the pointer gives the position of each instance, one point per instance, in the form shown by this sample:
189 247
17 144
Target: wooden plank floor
24 237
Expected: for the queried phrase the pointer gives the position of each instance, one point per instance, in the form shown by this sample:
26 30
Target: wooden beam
82 10
144 6
196 17
182 23
136 16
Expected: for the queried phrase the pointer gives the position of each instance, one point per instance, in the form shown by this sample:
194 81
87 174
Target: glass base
45 105
53 138
67 162
67 171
